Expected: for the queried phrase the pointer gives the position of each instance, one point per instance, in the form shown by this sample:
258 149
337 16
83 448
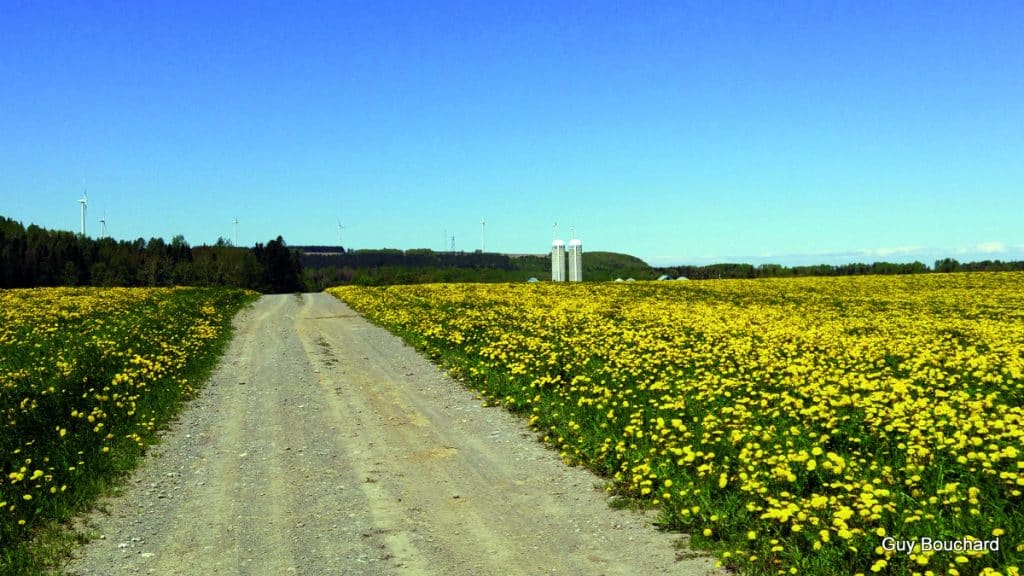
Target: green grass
127 359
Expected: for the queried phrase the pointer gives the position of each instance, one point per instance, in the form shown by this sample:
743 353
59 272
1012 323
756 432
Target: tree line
327 256
36 256
713 271
325 266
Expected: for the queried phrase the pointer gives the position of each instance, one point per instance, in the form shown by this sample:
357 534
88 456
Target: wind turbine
340 229
481 236
84 201
236 232
103 224
554 231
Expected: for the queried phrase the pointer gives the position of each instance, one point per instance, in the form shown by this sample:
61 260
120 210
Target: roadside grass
90 376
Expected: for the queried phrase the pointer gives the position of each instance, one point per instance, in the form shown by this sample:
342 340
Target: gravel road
324 445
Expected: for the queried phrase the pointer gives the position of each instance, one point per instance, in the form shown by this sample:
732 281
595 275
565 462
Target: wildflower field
87 375
794 426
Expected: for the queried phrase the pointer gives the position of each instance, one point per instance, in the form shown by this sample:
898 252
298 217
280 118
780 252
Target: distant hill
612 265
329 266
597 266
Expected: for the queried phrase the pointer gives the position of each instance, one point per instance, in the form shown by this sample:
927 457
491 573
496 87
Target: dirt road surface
324 445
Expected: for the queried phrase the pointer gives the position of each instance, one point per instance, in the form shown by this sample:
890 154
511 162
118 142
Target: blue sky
679 132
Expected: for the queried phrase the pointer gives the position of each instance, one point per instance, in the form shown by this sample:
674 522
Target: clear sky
698 132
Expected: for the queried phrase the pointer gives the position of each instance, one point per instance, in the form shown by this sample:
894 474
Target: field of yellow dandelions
826 426
86 377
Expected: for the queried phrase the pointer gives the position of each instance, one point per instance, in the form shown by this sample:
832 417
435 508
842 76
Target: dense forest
35 256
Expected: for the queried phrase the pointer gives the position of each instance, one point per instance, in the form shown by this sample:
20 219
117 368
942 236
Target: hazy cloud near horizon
985 251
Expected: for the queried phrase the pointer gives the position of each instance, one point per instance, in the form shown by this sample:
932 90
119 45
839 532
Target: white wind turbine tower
103 224
84 200
236 232
481 236
340 229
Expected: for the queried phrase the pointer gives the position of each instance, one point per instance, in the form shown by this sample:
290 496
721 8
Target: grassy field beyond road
794 426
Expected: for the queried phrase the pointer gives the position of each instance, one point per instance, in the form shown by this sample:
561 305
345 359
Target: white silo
575 260
558 261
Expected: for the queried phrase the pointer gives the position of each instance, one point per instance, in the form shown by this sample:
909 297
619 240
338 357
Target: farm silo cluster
574 262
